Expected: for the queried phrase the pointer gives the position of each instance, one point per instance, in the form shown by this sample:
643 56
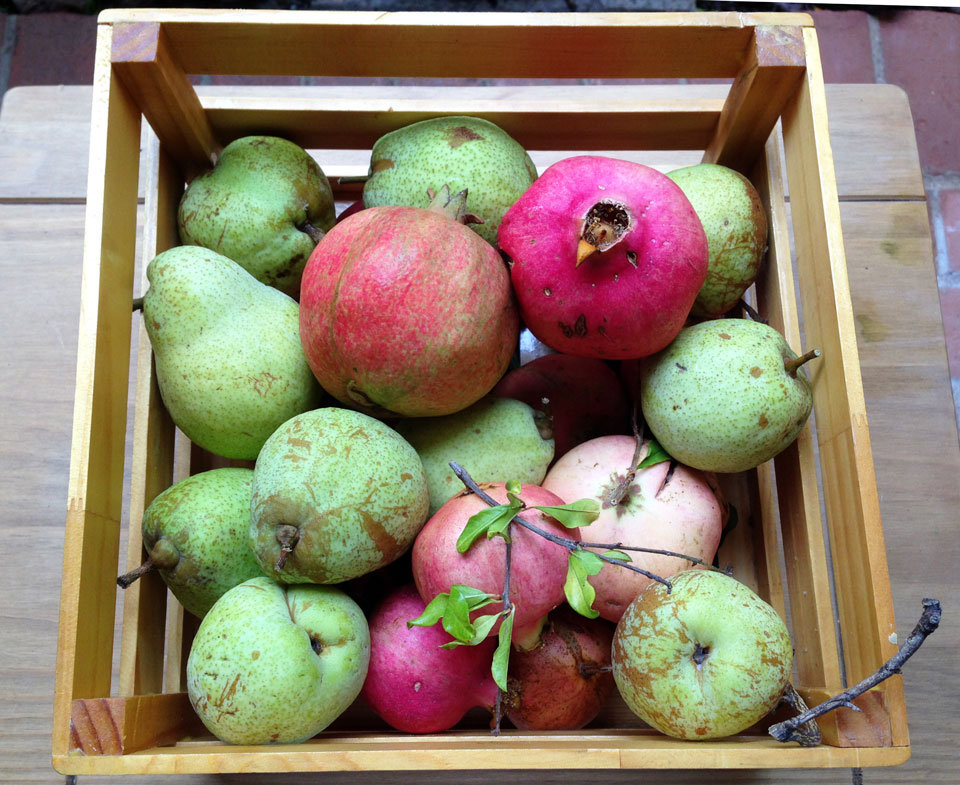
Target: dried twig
929 621
617 494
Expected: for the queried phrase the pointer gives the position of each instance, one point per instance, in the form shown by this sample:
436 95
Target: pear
265 204
230 365
336 494
726 395
462 152
272 664
735 222
495 440
197 536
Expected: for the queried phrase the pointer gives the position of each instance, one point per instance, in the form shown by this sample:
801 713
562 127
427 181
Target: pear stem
791 365
137 304
356 178
125 580
752 312
308 228
928 623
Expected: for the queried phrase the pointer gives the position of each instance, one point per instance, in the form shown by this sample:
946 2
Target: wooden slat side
573 124
807 573
849 483
546 46
774 65
88 593
145 602
869 727
142 57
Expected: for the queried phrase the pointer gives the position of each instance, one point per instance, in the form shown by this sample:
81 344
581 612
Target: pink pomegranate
406 311
413 684
608 257
538 567
585 398
674 511
563 682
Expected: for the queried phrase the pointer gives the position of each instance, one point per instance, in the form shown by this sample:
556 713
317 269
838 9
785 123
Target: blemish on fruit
681 367
460 135
254 655
755 372
547 291
380 164
406 476
763 422
632 258
725 336
417 686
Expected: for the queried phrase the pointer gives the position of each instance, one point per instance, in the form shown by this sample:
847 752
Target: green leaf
475 598
500 527
513 486
618 555
479 523
501 657
580 594
655 454
578 513
482 626
456 617
432 613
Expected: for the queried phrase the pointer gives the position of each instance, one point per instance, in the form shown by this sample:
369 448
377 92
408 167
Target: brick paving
917 49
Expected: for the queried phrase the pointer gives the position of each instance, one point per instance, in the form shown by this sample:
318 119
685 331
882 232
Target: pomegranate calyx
604 226
454 207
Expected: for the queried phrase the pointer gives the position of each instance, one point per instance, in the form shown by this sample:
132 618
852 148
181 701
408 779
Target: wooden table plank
873 117
904 370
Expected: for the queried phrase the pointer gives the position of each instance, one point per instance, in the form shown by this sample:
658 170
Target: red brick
950 310
950 213
53 49
844 38
921 51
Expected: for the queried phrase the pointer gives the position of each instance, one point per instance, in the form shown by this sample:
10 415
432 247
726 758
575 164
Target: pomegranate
563 682
608 257
538 567
584 397
674 511
413 684
405 311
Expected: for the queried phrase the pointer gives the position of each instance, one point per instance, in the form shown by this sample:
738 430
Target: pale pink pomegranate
674 510
406 311
538 567
413 684
563 682
608 257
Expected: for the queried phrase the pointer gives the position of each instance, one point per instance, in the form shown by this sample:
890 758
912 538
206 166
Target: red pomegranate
608 257
406 311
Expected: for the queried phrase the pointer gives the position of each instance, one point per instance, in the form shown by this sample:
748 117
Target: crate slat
88 589
849 482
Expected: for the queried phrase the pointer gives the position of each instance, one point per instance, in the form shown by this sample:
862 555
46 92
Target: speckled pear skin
230 365
719 399
744 664
252 206
495 440
462 152
735 222
273 664
206 520
353 488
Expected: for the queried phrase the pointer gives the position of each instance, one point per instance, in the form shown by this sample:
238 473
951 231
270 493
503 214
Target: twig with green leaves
453 609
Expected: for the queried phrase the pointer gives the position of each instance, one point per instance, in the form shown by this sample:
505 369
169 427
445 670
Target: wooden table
43 150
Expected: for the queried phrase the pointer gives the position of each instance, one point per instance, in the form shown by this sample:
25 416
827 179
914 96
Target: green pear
230 365
197 537
265 205
495 440
273 664
336 494
462 152
735 223
726 395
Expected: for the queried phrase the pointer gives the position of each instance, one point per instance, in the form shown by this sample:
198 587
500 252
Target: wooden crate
769 120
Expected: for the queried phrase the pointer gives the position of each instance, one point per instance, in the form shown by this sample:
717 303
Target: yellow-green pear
495 440
265 204
230 365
